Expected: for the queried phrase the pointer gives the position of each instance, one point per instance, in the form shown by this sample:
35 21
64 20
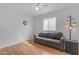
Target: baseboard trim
12 44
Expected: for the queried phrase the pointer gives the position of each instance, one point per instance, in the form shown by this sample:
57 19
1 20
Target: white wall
12 30
60 25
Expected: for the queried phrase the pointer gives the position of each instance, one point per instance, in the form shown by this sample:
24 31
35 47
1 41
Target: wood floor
30 48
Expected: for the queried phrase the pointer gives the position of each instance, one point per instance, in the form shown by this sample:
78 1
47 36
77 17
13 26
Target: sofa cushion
43 35
49 41
56 35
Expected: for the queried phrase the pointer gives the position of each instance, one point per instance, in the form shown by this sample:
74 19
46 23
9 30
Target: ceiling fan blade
37 4
40 5
45 5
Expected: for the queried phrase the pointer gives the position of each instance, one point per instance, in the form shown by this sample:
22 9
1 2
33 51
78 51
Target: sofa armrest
35 36
62 39
62 42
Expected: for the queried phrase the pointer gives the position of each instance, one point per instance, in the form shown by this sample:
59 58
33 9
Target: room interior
21 22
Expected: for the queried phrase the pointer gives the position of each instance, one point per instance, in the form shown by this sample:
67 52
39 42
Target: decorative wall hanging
25 22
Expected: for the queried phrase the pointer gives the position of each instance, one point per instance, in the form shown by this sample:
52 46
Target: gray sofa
55 40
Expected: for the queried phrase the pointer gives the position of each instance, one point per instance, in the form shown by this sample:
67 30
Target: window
49 24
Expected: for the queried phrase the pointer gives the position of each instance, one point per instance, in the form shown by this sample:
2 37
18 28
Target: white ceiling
28 8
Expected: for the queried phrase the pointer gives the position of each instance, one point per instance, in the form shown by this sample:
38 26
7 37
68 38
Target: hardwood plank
30 48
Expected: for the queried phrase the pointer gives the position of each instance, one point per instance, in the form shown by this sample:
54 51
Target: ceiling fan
39 5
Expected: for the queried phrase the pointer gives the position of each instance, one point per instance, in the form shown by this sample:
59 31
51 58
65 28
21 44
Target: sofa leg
35 41
61 50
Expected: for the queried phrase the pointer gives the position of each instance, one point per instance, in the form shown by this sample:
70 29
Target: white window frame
47 25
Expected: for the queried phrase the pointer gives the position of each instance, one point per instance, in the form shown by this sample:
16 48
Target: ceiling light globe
37 8
70 28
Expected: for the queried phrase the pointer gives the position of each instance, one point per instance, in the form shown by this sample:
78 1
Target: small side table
71 47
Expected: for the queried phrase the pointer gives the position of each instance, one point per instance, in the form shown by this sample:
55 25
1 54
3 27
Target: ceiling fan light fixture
39 5
37 8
